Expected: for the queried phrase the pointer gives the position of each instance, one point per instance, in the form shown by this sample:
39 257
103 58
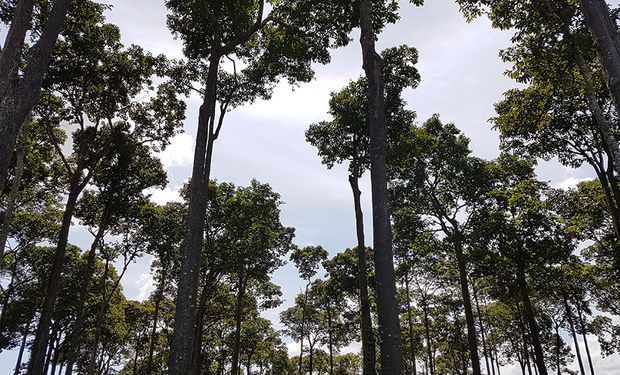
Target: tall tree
389 322
346 138
20 81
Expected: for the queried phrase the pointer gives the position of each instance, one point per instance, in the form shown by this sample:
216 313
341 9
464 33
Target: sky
461 78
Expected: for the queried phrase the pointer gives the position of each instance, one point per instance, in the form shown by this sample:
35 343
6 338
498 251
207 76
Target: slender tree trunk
74 336
50 349
22 347
197 347
611 203
12 198
525 346
18 96
387 306
583 334
558 344
482 335
531 320
302 331
158 297
330 342
185 312
135 358
607 41
547 10
469 314
369 354
310 355
238 317
92 361
39 346
427 330
410 322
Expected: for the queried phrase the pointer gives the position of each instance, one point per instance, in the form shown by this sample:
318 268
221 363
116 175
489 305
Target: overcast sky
462 77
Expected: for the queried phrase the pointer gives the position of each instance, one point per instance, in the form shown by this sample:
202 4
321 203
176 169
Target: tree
101 94
345 138
389 322
20 81
436 176
307 260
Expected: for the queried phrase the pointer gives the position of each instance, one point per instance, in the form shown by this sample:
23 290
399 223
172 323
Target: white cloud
146 285
570 182
163 196
180 152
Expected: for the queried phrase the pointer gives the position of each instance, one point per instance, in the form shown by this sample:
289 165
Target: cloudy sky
462 76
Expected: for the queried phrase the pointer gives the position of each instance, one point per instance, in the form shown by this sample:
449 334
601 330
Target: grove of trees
475 266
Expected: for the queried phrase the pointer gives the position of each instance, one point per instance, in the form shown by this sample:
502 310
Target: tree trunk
18 96
74 336
22 347
585 339
39 346
604 31
92 361
330 342
485 351
525 345
310 355
427 330
301 333
158 297
185 312
469 314
531 320
603 125
369 354
387 306
12 198
234 369
558 344
410 322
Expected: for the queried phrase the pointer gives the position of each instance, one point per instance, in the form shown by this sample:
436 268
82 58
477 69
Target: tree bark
387 306
531 320
469 314
18 96
604 32
185 312
39 346
12 198
369 354
238 317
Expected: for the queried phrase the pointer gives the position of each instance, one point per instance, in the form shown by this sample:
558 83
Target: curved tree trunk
429 350
387 306
369 354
